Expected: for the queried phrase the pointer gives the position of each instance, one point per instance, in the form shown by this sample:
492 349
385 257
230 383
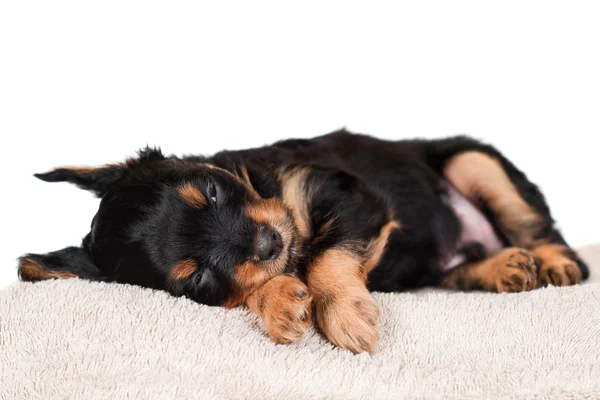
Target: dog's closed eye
212 192
204 278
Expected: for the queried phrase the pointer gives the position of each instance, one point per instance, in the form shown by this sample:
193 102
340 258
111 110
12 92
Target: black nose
268 244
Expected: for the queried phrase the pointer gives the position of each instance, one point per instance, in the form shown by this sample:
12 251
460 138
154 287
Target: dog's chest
475 228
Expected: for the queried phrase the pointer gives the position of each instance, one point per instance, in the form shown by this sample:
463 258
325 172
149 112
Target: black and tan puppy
316 222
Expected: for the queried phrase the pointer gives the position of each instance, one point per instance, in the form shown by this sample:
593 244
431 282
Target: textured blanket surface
75 339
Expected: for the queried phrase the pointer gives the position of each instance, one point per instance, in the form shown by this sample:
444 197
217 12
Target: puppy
306 226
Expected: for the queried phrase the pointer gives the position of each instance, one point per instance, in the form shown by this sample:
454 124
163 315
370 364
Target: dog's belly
475 228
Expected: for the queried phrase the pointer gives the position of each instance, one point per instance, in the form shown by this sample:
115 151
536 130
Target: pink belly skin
475 228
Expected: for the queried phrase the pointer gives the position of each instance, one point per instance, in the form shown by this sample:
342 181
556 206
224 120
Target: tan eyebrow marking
183 270
192 195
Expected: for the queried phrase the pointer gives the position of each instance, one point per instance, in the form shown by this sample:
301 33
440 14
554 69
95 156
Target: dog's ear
99 180
69 262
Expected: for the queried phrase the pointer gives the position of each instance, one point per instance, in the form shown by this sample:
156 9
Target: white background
90 82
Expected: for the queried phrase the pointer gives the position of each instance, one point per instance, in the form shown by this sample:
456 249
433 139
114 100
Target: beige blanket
75 339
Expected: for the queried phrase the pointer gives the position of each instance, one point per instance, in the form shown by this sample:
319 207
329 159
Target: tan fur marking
481 177
192 195
271 212
344 307
245 177
235 300
376 247
183 270
250 276
509 270
31 271
549 251
335 269
284 305
80 169
555 266
296 195
266 211
324 230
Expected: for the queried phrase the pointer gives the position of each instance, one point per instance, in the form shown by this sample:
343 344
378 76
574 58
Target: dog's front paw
284 305
516 272
349 319
555 266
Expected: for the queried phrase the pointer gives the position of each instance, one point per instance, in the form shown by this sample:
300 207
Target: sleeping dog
312 226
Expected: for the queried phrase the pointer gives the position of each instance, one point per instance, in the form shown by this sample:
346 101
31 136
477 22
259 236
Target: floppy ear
99 180
69 262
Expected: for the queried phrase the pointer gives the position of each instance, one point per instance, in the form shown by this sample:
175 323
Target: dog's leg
342 246
481 178
69 262
509 270
345 310
284 305
517 207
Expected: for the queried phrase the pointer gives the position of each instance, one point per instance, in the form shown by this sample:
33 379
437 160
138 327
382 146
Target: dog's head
187 227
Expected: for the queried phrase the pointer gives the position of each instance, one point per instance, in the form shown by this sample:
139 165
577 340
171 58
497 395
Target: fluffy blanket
75 339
